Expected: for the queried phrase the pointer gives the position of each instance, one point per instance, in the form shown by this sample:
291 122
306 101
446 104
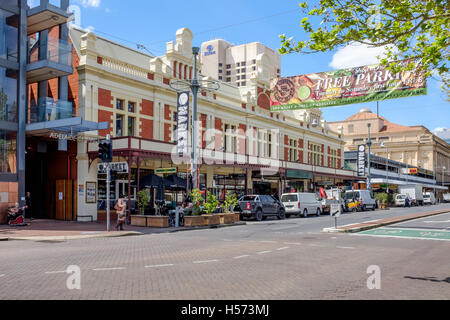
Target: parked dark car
261 206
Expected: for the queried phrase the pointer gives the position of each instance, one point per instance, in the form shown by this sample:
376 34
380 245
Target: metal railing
49 110
54 50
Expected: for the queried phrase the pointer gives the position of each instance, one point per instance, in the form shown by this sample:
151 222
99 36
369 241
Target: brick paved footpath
68 230
358 227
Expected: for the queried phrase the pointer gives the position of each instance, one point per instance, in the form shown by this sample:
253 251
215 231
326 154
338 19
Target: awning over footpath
70 126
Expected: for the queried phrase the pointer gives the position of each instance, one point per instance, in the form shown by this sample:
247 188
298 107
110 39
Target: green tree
407 29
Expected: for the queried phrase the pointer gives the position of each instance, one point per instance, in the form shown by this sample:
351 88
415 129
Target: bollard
177 217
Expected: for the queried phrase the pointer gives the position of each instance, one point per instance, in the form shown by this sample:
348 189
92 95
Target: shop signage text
361 162
183 123
119 167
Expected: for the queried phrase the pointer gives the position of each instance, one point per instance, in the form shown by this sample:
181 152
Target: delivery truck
414 193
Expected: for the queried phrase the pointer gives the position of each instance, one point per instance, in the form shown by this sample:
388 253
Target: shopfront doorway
51 179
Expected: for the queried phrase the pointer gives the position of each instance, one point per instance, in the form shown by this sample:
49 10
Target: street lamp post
195 85
387 164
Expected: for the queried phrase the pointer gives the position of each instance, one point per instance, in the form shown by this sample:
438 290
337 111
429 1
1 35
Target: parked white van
301 204
363 197
429 198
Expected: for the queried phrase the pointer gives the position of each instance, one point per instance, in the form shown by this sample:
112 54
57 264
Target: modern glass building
36 100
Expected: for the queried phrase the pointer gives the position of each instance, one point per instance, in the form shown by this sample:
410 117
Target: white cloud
90 3
356 55
443 133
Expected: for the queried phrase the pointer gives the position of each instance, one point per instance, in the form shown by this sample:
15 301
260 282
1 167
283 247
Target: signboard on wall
183 124
91 192
343 87
361 161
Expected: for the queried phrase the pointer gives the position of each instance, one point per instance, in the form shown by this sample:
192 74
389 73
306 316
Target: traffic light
105 152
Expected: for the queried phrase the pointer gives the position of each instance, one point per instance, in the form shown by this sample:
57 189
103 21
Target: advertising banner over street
343 87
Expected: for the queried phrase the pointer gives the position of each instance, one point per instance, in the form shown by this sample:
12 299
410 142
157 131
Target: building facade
415 146
243 147
238 64
37 99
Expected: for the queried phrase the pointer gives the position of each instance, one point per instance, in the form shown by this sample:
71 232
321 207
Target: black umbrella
153 181
176 183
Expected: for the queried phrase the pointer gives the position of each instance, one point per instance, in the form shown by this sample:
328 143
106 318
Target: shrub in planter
142 201
197 201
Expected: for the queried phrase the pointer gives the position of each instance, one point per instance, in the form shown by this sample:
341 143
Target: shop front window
8 151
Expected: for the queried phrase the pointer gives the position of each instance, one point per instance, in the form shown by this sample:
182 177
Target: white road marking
263 252
399 237
205 261
160 266
2 275
284 248
293 243
345 247
109 269
316 245
268 241
55 272
243 256
448 221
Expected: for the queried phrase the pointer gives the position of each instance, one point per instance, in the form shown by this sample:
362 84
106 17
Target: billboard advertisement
343 87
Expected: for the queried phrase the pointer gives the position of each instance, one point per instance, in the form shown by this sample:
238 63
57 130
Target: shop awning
401 183
298 174
72 126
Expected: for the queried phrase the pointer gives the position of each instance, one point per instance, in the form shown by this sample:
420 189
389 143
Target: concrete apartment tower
236 65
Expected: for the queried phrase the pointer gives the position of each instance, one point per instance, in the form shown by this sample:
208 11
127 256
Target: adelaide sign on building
342 87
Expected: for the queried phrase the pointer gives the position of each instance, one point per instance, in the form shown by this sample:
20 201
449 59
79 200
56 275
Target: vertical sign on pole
182 123
361 162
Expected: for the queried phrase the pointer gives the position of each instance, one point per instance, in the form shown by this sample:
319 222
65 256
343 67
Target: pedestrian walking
407 204
121 215
28 211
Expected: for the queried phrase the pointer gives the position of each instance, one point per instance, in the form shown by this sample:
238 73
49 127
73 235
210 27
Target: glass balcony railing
55 50
49 110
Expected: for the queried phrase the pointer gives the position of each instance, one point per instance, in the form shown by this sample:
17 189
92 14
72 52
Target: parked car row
300 204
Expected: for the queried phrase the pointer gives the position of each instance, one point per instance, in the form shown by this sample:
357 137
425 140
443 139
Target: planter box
221 218
139 221
212 220
237 217
229 218
157 222
194 221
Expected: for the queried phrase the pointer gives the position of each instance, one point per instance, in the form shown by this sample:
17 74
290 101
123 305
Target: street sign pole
108 182
108 213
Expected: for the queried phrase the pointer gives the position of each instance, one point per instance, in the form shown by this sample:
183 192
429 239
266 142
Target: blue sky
153 23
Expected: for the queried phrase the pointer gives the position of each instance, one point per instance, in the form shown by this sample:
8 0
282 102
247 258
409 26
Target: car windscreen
249 198
349 195
427 196
401 197
289 198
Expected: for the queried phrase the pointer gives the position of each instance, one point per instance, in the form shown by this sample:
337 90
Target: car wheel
305 213
318 212
259 215
281 215
364 208
288 216
373 208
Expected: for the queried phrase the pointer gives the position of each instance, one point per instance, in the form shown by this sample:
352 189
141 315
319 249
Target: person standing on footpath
121 215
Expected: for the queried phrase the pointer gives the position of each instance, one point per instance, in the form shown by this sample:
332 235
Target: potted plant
382 199
141 220
196 219
231 202
211 207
